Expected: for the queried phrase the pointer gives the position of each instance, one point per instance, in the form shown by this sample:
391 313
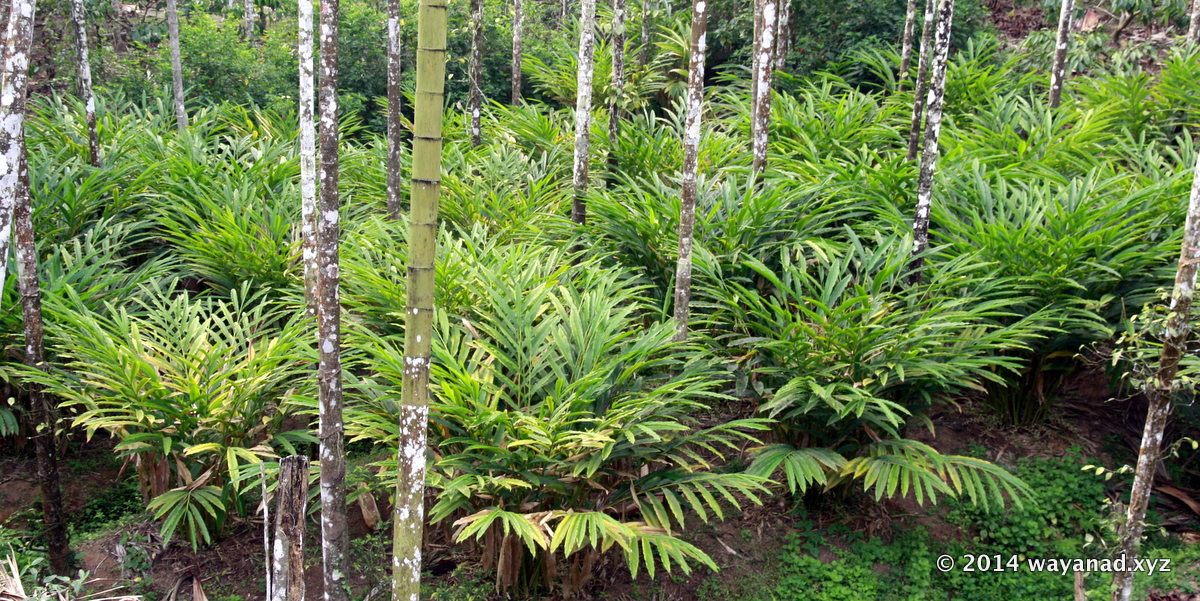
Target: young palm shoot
418 327
308 157
181 118
1160 392
583 108
922 85
906 44
83 76
475 71
691 151
1058 72
517 45
329 367
764 68
937 92
395 97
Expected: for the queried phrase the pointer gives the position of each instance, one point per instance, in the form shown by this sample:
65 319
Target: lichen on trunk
922 84
691 151
418 327
1058 72
181 118
1160 392
329 366
395 126
937 91
83 78
583 109
906 44
763 67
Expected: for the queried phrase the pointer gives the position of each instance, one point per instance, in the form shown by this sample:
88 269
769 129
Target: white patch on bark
1058 71
929 154
583 107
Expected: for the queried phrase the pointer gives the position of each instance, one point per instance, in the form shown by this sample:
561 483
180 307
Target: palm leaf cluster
566 423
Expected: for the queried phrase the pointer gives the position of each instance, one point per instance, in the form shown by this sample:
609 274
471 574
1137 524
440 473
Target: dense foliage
566 422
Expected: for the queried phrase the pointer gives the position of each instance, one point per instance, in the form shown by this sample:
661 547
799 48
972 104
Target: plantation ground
753 547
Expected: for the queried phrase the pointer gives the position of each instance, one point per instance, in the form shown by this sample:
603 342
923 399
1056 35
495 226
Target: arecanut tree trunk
1160 392
287 550
647 21
1058 72
181 118
475 71
14 79
395 129
922 84
248 14
43 413
1193 32
616 99
15 206
409 509
83 78
583 109
517 48
764 68
329 368
691 152
783 35
929 154
308 157
906 43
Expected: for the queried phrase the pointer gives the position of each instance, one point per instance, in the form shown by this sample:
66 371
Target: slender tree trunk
266 512
291 503
906 45
691 152
329 376
783 35
308 158
394 127
476 70
755 42
583 108
616 99
922 86
1193 32
933 128
83 75
647 22
17 44
1058 73
418 330
1160 393
518 31
35 356
764 68
181 118
248 19
118 28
